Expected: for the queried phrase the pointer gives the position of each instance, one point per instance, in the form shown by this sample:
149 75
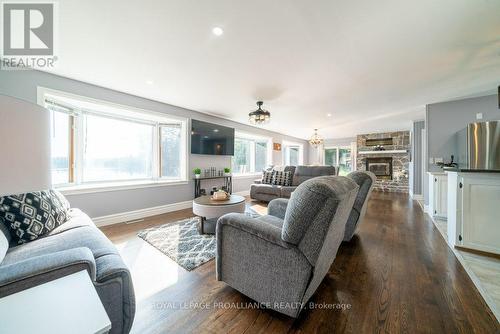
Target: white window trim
116 186
286 144
135 113
269 158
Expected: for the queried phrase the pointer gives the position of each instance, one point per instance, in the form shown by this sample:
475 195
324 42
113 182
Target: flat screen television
212 139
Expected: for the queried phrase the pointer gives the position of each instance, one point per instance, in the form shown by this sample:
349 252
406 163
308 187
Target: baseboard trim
417 197
123 217
141 213
426 208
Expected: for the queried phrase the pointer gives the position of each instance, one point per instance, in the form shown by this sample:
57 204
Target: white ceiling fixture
373 64
217 31
150 82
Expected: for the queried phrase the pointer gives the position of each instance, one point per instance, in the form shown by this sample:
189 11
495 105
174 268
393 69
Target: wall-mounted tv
212 139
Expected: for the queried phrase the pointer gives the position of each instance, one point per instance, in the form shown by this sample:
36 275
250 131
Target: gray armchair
280 259
365 181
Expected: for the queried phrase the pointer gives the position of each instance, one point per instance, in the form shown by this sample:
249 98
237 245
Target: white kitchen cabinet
474 211
438 190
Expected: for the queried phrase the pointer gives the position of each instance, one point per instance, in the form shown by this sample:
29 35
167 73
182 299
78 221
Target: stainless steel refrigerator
479 146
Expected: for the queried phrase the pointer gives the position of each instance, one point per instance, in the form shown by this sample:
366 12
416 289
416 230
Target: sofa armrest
258 181
277 207
41 269
254 226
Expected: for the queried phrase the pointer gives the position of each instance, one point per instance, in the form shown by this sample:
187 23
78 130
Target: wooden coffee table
210 210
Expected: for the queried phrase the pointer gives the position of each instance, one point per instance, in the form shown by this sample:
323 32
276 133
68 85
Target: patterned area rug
181 241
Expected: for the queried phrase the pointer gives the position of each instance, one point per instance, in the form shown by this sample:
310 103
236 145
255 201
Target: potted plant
227 171
197 172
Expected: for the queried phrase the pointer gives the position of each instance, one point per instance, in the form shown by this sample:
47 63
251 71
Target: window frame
286 145
338 148
253 139
118 112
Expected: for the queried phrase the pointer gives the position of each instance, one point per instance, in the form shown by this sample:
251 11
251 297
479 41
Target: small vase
227 174
197 176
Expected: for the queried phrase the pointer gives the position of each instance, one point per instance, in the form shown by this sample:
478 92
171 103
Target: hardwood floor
397 275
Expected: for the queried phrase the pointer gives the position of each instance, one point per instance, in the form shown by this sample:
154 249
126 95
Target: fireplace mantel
396 156
384 152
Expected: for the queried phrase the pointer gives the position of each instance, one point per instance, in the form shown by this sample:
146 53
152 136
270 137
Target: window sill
247 176
116 186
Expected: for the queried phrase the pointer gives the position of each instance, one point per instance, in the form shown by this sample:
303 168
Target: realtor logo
28 35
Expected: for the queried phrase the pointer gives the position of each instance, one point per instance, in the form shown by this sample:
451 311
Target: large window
115 149
331 156
95 142
251 155
340 157
171 146
292 154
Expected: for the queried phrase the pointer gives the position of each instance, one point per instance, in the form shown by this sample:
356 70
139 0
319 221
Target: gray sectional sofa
281 258
268 192
71 247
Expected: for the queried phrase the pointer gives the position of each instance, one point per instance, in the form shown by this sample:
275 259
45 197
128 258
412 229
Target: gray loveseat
281 258
73 246
268 192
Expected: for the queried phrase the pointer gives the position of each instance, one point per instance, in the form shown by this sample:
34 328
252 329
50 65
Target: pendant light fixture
316 140
259 116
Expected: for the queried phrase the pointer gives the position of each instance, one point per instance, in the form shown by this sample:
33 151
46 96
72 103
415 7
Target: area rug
181 241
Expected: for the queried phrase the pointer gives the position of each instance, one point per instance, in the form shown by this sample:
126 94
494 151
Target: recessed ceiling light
216 130
329 115
149 82
217 31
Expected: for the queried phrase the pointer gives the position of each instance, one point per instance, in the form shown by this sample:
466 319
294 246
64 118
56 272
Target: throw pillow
32 215
267 177
282 178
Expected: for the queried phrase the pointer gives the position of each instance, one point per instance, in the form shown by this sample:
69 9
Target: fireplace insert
381 167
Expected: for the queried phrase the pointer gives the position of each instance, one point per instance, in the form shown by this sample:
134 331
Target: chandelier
316 139
259 116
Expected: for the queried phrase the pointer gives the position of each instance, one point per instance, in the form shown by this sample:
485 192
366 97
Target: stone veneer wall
400 161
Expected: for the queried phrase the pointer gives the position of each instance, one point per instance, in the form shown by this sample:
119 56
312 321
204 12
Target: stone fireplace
381 167
387 155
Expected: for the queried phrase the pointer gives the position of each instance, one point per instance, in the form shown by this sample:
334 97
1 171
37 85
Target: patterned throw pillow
282 178
267 177
32 215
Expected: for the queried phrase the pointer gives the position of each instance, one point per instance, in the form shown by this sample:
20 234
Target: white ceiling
372 64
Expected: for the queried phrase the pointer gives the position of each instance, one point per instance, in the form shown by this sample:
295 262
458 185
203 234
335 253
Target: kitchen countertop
465 170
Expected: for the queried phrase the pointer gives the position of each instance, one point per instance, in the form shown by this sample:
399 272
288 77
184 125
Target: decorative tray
220 199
